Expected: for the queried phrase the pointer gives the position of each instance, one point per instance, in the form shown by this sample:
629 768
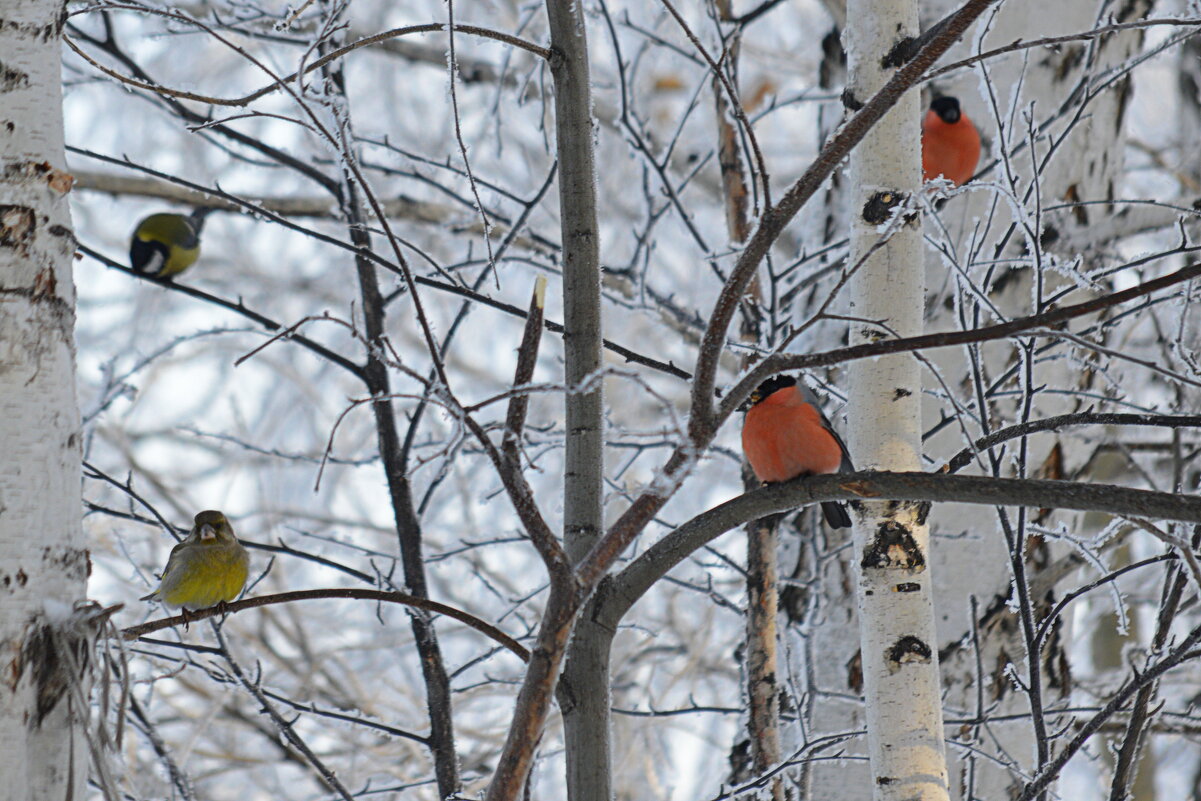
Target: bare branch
656 561
281 82
527 357
381 596
774 219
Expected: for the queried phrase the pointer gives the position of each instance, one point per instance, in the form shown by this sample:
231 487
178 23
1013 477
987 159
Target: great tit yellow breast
164 245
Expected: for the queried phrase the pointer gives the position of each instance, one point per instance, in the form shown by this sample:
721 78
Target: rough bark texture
899 652
533 700
584 701
43 563
763 686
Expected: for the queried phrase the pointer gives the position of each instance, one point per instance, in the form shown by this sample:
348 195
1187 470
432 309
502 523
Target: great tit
166 244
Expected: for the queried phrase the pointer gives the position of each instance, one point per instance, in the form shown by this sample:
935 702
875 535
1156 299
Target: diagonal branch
777 217
964 457
521 495
703 422
1050 772
237 308
143 83
1025 326
631 522
527 357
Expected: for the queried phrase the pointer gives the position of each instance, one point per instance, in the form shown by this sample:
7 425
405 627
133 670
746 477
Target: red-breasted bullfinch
785 435
950 143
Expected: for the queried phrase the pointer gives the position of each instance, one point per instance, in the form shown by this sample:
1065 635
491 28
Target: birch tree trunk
899 652
43 564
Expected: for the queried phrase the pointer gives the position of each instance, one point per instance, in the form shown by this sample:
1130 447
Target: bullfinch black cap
947 109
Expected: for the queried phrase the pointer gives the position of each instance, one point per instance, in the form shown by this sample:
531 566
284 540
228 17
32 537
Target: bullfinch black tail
836 514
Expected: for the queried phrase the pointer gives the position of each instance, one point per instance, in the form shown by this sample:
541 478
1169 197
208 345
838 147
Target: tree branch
964 457
382 596
237 308
776 218
279 83
527 358
631 583
1051 770
630 523
1025 326
584 462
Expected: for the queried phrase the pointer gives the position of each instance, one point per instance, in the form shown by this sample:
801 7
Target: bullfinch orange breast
950 143
785 435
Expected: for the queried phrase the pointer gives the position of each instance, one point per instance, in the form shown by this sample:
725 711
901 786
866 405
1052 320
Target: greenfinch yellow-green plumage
207 568
166 244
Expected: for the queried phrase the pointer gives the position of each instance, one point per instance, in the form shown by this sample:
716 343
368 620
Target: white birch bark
896 618
43 564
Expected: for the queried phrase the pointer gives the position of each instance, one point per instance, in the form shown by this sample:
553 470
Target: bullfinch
950 143
785 435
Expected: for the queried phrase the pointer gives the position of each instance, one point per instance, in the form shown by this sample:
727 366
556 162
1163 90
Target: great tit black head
166 244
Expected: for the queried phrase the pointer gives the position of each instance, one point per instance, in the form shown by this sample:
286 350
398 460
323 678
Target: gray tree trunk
584 699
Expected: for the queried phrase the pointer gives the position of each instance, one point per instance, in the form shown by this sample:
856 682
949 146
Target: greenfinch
207 568
166 244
